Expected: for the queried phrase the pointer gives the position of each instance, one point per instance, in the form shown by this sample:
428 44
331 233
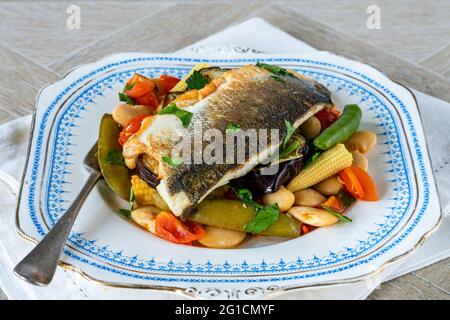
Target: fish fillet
248 96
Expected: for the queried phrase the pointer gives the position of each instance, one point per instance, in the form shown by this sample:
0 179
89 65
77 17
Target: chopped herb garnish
232 128
336 214
129 86
245 196
125 98
291 147
183 115
114 156
313 158
173 162
289 132
264 217
276 70
196 81
127 212
347 200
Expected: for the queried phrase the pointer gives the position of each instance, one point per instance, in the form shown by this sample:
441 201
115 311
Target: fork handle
39 266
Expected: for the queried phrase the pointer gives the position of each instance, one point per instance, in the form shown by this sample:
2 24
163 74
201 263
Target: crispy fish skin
254 99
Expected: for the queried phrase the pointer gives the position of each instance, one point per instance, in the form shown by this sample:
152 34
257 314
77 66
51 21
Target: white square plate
106 248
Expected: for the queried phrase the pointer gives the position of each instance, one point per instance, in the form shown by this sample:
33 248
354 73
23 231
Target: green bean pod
341 129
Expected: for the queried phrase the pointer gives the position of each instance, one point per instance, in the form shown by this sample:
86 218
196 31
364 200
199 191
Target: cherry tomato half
168 81
367 183
149 100
131 128
327 116
139 85
172 229
335 203
351 183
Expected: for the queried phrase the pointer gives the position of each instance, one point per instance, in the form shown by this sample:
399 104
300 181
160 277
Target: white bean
308 197
328 186
123 112
221 238
360 160
361 141
310 128
312 216
283 197
145 217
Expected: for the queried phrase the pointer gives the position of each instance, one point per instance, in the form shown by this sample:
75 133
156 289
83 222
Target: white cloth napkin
255 35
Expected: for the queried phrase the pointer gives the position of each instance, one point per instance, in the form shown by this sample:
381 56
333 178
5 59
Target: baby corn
145 195
327 164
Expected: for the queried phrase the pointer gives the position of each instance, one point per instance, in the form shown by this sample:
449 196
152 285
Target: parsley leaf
127 212
336 214
312 159
279 71
114 156
196 81
245 196
124 98
347 200
293 146
232 128
183 115
264 217
175 162
289 132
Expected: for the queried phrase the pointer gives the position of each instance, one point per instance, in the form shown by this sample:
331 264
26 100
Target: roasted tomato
327 116
168 81
171 228
359 184
138 86
335 203
149 100
131 128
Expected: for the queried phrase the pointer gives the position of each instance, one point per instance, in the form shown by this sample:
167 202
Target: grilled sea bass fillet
250 97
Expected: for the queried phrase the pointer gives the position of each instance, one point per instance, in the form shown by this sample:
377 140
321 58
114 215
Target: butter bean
308 197
221 238
360 160
310 128
328 186
123 112
361 141
283 197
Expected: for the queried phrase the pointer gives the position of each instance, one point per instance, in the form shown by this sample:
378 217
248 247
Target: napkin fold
254 35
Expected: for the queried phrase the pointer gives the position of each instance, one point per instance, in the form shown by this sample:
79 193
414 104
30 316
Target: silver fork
39 266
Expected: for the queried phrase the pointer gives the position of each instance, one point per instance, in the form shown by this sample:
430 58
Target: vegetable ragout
320 167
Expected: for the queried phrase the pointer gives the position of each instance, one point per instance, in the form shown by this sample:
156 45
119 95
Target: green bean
341 129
